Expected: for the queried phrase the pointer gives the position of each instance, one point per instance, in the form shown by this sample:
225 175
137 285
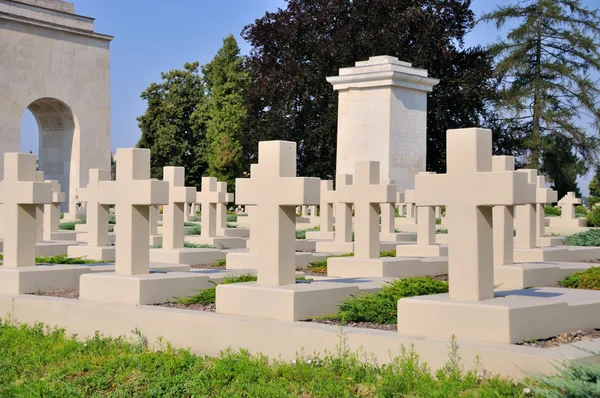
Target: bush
195 230
63 259
552 211
382 307
232 218
593 217
581 211
441 231
189 245
588 279
573 379
590 237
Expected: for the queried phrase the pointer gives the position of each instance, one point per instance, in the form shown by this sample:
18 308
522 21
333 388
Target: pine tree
544 67
223 112
594 188
168 129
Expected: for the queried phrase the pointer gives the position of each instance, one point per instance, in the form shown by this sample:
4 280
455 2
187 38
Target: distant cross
97 203
567 205
173 213
133 193
222 207
543 196
326 205
343 211
208 198
39 213
366 193
276 191
20 194
52 210
469 190
388 215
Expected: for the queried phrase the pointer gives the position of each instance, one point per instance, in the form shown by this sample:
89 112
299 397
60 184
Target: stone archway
58 130
53 63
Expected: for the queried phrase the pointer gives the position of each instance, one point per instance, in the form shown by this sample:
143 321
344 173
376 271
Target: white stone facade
54 64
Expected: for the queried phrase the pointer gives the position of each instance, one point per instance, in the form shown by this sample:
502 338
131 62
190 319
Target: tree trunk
536 141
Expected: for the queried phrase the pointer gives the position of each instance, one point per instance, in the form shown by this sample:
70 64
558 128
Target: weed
588 279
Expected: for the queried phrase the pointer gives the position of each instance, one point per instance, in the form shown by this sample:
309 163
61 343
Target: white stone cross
21 194
222 207
133 193
52 210
503 219
97 203
208 198
388 215
525 219
39 213
326 206
173 213
366 193
276 191
543 196
343 211
469 190
567 205
409 199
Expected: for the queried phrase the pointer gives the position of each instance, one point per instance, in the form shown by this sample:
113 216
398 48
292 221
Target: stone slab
541 254
522 276
348 247
82 237
286 303
61 235
547 241
247 260
49 249
319 235
394 267
186 256
99 253
150 288
398 237
40 278
422 250
222 242
236 232
306 245
510 317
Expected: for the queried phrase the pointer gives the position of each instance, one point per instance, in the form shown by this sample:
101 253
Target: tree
296 48
561 166
594 188
223 112
168 129
544 67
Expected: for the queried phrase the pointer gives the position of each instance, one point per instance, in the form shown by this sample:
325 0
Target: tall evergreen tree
168 129
544 67
223 112
296 48
562 166
594 189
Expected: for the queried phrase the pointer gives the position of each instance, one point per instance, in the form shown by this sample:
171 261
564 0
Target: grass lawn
42 362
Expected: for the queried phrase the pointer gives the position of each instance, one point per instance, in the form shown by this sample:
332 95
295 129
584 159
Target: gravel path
565 338
207 266
193 307
363 325
68 293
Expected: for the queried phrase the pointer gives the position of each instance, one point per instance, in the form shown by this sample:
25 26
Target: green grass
61 259
195 219
588 279
39 361
209 296
231 218
188 245
195 230
382 307
301 233
189 224
442 231
552 211
590 237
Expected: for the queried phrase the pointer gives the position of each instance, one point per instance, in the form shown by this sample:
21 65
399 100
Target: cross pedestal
567 222
472 311
326 231
21 194
155 237
426 245
408 223
222 228
133 193
276 191
388 223
52 216
367 194
173 250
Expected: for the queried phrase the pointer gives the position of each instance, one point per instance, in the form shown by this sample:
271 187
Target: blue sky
153 36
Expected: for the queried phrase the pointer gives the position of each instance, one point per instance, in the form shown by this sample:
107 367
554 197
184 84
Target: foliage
581 211
593 217
295 48
231 218
594 188
188 245
195 230
301 233
552 211
441 231
220 263
543 67
573 379
189 224
590 237
195 219
382 307
223 112
63 259
320 266
168 128
41 361
70 225
588 279
209 296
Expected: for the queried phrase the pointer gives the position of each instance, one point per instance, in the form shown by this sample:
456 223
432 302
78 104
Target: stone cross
276 191
409 198
208 198
154 218
20 194
133 193
469 190
39 213
388 215
503 219
222 208
173 213
366 193
525 218
543 196
343 211
327 200
567 205
97 201
52 210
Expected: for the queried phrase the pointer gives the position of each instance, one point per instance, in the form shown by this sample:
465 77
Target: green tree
168 129
544 67
296 48
561 166
223 112
594 188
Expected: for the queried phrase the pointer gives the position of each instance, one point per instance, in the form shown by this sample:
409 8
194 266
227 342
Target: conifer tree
545 67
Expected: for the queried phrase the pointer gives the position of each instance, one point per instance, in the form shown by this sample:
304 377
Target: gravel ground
363 325
69 293
193 307
565 338
207 266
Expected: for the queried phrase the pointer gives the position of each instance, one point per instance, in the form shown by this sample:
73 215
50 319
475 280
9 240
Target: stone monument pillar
382 117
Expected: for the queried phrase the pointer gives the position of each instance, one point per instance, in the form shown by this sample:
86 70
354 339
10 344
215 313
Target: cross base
82 237
27 280
398 237
348 247
422 251
541 254
153 288
393 267
98 253
221 242
186 256
522 276
510 317
155 240
247 260
235 232
286 303
319 235
61 235
49 249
